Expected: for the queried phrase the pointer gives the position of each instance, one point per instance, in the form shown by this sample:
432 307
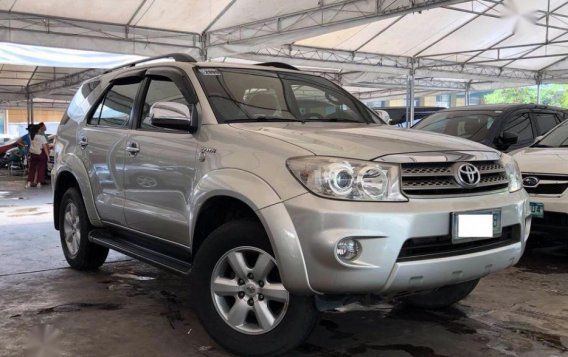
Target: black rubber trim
117 242
444 247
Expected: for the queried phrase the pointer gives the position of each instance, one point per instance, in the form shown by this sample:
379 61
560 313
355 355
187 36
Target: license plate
537 209
477 225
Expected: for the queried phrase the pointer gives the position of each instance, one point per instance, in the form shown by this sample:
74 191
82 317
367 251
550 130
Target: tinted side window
160 90
545 122
520 125
114 110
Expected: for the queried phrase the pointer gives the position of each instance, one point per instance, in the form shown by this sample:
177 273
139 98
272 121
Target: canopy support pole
467 93
30 109
538 84
410 96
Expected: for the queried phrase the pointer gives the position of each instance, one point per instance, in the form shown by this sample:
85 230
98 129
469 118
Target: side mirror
505 140
173 115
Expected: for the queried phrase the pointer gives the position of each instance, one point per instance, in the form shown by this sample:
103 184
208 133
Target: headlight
348 179
513 173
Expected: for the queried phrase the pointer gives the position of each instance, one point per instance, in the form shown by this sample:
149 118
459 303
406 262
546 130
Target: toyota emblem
530 181
467 175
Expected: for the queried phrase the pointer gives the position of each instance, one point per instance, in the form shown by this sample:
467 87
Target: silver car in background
280 193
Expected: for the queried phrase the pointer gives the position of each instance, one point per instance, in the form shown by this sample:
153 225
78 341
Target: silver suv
280 193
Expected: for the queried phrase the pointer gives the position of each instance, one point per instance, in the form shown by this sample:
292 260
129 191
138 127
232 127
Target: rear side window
79 106
520 125
116 106
545 122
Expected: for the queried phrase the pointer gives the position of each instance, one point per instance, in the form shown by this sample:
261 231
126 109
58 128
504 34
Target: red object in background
7 146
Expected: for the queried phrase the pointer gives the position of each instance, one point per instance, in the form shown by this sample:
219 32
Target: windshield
556 138
249 95
465 124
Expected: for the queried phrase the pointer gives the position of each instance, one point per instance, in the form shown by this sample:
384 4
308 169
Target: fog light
348 249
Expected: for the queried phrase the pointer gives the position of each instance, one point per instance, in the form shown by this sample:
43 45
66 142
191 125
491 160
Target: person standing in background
39 153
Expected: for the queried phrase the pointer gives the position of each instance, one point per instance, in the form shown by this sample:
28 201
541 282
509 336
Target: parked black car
504 127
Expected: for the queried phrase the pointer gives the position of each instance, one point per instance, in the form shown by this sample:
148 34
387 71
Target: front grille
443 246
427 179
548 184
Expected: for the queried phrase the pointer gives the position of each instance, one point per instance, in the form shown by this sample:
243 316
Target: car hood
543 160
365 142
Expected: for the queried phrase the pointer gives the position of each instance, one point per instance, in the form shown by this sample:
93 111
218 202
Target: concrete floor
129 308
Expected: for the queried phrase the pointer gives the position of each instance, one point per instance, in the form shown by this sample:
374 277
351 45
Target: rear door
103 140
159 176
544 121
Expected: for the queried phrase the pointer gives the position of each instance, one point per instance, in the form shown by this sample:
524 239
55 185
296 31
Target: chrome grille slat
430 179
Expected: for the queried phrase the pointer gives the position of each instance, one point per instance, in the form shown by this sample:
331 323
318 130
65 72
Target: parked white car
544 166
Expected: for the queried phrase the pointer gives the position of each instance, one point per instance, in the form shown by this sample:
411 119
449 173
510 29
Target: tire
74 224
442 297
293 320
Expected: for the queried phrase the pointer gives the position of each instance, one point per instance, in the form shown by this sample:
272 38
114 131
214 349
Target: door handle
83 142
132 148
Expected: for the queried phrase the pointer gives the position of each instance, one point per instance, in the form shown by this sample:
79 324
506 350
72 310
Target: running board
113 241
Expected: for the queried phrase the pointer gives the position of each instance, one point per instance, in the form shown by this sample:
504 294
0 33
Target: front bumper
382 228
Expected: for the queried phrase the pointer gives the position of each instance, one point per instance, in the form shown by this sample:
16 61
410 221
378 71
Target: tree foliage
551 94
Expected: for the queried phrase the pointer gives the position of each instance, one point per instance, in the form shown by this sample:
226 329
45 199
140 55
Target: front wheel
240 298
74 227
442 297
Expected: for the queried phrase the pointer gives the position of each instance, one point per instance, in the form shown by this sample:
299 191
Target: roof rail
278 65
178 57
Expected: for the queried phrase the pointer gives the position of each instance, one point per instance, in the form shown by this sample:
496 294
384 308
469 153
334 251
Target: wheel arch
232 193
73 174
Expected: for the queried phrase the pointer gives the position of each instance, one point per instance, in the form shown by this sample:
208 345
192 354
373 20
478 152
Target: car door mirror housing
505 140
173 115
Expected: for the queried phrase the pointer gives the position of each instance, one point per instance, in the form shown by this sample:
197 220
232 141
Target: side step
113 241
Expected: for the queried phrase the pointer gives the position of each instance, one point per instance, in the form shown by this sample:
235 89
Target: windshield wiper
346 120
264 118
541 146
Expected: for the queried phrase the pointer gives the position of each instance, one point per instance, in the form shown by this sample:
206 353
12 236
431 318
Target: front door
102 141
521 125
544 121
160 169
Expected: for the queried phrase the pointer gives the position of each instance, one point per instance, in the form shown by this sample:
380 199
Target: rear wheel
442 297
240 298
74 227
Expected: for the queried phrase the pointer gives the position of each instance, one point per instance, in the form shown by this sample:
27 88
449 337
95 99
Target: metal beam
393 93
63 82
94 36
519 58
380 33
472 12
401 82
456 29
377 63
311 22
498 48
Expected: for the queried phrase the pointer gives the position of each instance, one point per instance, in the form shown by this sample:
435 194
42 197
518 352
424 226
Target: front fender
267 204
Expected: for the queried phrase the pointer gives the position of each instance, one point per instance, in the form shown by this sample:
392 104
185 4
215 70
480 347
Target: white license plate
470 226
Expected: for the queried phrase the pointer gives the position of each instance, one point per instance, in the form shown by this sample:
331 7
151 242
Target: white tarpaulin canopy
444 45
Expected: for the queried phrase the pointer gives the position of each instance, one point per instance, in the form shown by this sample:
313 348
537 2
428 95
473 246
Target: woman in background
39 153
